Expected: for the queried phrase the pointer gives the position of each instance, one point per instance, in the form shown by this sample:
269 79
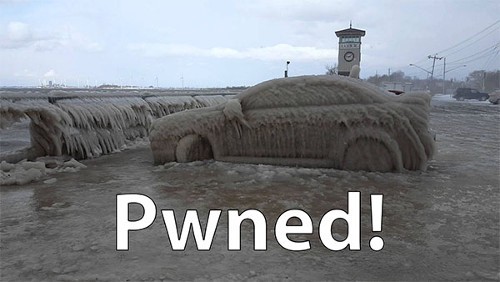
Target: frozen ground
442 224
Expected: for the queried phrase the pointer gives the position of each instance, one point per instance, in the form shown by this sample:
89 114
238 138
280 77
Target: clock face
349 56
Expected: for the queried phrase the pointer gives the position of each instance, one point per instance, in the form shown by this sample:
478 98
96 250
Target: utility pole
484 78
444 75
498 78
435 57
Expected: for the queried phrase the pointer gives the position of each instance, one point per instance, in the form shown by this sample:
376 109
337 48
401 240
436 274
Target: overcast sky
196 43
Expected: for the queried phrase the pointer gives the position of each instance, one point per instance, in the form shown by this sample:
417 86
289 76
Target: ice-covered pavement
442 224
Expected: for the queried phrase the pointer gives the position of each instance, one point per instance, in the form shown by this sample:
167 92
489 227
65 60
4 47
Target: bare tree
331 70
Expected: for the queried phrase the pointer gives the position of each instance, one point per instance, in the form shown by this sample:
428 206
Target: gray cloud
20 35
270 53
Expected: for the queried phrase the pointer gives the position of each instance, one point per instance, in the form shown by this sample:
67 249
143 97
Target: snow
318 121
442 97
448 98
6 167
26 171
74 164
35 165
50 181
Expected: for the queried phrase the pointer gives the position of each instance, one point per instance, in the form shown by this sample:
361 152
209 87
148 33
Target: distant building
349 49
399 86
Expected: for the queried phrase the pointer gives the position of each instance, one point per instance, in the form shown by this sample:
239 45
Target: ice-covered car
494 97
312 121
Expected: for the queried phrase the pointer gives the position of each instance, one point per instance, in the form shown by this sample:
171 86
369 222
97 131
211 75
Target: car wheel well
193 147
371 153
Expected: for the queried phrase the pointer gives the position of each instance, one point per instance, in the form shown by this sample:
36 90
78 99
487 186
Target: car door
473 94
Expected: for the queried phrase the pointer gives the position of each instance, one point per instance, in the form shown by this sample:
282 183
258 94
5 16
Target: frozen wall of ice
84 126
48 123
318 121
101 125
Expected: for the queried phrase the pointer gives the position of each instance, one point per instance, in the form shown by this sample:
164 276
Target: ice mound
25 171
310 121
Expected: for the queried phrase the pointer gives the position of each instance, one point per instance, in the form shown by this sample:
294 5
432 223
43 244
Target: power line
468 45
470 38
466 40
491 60
489 54
479 55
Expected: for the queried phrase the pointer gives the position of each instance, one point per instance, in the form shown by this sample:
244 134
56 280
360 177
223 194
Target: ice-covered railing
165 105
208 101
47 123
83 125
102 125
17 93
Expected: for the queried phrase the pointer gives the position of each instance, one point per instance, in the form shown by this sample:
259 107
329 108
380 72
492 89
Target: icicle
84 125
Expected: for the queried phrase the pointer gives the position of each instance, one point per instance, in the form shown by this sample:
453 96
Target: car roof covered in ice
310 90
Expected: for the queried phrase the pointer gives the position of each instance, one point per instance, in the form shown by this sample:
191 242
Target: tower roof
350 31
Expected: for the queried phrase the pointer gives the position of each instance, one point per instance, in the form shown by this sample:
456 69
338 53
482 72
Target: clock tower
349 49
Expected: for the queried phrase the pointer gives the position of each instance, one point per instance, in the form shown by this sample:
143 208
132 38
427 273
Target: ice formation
25 171
355 70
314 121
83 125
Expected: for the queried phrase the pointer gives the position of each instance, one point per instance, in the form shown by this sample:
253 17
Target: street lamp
286 70
428 72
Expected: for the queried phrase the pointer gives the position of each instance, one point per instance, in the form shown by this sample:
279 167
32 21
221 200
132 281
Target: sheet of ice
439 224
